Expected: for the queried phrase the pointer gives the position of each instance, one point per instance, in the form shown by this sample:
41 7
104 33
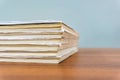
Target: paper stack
37 42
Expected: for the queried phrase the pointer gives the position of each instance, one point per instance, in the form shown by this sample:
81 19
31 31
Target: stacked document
37 41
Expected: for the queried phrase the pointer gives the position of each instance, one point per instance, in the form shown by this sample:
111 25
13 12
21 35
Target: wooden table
87 64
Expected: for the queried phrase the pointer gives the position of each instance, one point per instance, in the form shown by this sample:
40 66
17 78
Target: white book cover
29 22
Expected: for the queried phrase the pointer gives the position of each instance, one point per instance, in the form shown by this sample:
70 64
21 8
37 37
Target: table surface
87 64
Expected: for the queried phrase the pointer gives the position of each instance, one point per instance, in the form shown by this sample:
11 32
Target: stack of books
37 41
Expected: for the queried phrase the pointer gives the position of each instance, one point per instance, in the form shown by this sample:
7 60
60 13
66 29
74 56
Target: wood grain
87 64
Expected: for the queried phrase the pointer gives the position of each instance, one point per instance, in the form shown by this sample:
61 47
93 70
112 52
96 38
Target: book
36 41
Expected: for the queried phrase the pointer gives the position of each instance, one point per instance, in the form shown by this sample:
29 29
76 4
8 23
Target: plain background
97 21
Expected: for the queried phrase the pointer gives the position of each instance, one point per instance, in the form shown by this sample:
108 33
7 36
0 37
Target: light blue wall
98 21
